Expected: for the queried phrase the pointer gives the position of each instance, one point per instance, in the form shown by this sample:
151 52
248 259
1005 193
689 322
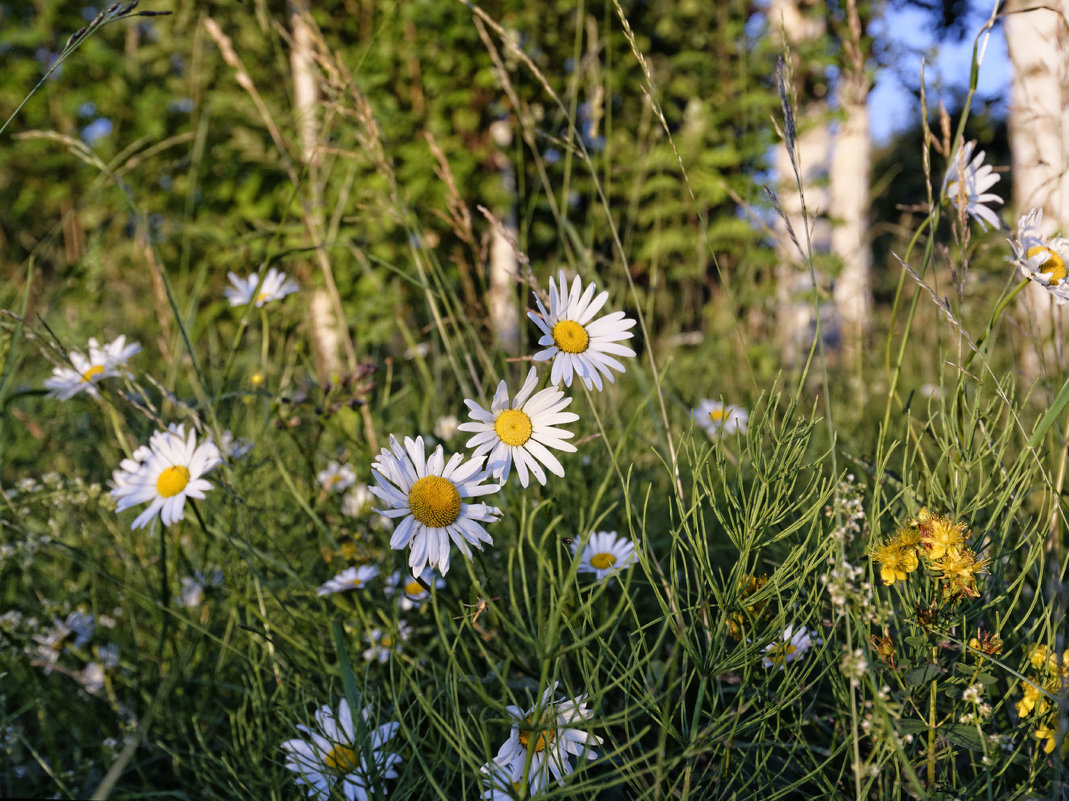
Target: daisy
498 785
275 286
445 428
233 447
353 578
384 644
521 432
337 477
84 372
1039 258
605 554
357 501
544 735
338 753
575 344
414 595
170 472
428 494
719 419
966 183
790 649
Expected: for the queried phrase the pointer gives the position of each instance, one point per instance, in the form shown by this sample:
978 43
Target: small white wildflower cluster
844 581
540 747
853 665
980 711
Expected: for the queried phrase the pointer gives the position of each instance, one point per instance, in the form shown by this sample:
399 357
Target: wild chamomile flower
605 554
232 447
333 756
85 372
1039 258
170 473
429 495
383 644
574 343
790 648
413 594
498 785
275 286
719 419
336 477
966 184
545 734
353 578
521 432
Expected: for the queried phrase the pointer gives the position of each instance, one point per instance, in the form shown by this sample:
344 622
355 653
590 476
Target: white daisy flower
544 733
82 625
85 372
353 578
428 494
445 428
719 419
275 286
575 344
521 431
193 587
966 183
1041 259
413 594
171 473
357 501
790 648
233 447
383 644
333 757
605 554
498 785
337 477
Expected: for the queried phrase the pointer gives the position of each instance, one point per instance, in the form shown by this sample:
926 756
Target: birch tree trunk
1040 149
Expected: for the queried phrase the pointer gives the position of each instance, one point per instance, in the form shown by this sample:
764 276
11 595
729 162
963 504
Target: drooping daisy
1039 258
521 432
353 578
85 372
719 419
383 644
428 494
336 477
574 343
333 756
413 594
171 473
498 785
275 286
545 733
790 648
605 554
966 183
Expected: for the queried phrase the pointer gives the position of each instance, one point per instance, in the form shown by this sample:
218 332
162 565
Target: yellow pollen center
716 415
601 561
413 588
570 337
172 481
434 501
1053 265
513 427
545 737
342 759
263 297
386 641
92 373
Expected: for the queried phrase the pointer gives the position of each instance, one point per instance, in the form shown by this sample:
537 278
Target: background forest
842 382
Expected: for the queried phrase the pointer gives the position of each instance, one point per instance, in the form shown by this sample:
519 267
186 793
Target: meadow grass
790 627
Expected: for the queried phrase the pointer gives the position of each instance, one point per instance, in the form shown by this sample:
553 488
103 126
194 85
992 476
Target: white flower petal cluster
966 183
85 372
413 594
164 474
521 432
575 342
605 554
353 578
384 644
336 477
331 758
790 648
429 495
720 419
275 286
1040 258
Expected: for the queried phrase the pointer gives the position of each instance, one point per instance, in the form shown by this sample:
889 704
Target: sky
892 107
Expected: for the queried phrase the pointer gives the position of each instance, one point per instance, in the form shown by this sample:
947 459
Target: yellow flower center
386 641
263 297
413 588
90 375
570 337
342 759
172 481
544 737
717 415
513 427
357 582
602 560
434 501
1052 265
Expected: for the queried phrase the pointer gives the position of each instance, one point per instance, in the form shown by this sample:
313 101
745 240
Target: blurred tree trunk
1037 41
851 166
799 25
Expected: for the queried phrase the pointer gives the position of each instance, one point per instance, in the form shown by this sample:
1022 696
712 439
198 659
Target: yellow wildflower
895 559
737 622
1048 733
959 569
1033 699
986 642
943 536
